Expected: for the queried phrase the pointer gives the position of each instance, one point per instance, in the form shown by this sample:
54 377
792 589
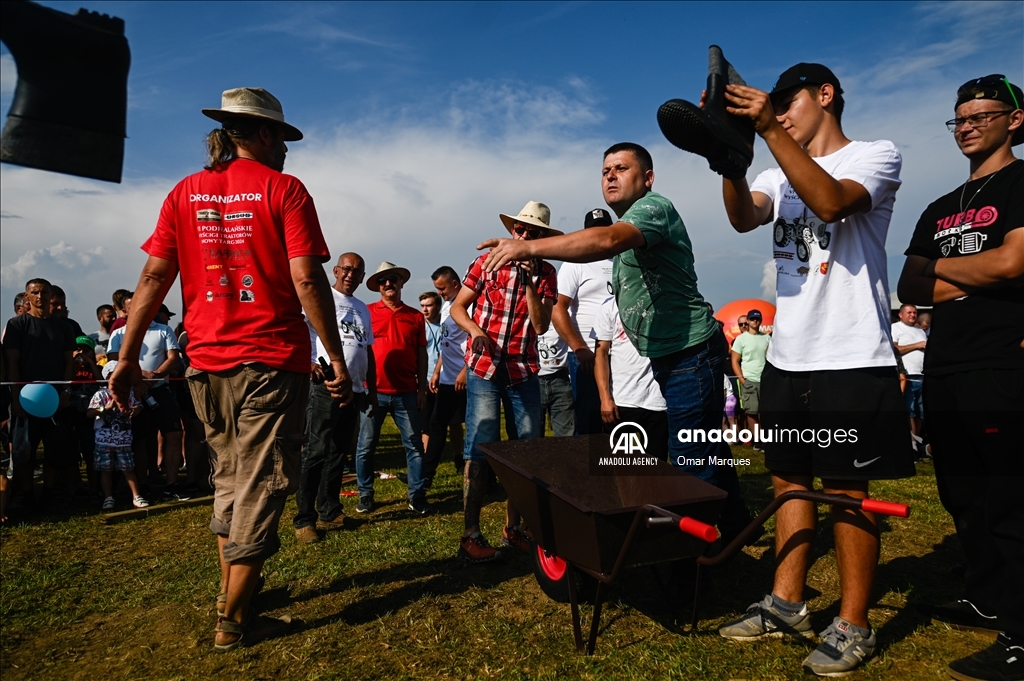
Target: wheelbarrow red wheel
553 575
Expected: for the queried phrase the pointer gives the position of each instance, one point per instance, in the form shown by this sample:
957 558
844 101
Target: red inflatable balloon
732 311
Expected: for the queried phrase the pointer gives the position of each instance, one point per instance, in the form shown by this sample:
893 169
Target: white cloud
423 184
8 74
768 277
95 231
57 258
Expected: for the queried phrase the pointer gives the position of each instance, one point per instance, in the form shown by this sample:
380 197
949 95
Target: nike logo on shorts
859 464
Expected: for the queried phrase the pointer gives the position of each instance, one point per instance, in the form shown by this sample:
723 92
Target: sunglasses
990 86
389 279
531 232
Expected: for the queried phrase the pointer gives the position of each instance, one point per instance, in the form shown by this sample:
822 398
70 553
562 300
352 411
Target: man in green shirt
748 359
662 312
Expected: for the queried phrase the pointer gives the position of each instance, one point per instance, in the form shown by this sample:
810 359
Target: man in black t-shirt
40 347
967 258
59 309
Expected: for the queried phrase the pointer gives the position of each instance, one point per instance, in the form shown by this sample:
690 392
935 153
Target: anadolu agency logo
626 454
628 438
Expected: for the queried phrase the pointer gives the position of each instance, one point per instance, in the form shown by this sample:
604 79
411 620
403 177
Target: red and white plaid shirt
501 311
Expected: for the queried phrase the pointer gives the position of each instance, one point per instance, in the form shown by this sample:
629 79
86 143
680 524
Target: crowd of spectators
43 343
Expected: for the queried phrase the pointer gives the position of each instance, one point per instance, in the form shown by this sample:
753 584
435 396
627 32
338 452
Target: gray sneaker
841 651
763 619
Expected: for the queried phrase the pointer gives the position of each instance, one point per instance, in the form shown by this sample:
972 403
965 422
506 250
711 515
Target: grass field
80 600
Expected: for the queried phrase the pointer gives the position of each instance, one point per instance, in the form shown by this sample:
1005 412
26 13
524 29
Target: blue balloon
39 400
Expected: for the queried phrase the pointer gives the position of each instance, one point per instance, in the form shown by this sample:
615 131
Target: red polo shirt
397 337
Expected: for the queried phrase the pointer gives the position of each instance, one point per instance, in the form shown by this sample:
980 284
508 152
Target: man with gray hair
330 427
247 241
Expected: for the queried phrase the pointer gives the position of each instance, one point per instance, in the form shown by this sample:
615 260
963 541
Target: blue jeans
588 401
912 396
691 381
322 460
407 417
483 411
556 401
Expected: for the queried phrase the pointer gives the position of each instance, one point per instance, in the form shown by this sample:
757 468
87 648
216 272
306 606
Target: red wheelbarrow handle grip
885 508
698 529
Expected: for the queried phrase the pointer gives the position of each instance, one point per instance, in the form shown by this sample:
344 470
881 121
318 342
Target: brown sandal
222 598
251 632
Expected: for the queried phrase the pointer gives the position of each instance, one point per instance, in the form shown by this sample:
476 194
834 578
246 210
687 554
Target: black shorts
166 415
845 424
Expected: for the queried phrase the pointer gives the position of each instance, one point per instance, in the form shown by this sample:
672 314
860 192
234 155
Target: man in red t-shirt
400 360
511 307
248 244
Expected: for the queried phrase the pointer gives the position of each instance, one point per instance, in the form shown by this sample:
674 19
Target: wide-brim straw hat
373 281
253 102
533 213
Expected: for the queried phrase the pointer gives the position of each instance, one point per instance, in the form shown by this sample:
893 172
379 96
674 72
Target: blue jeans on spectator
483 411
407 417
322 460
556 401
912 396
588 401
691 381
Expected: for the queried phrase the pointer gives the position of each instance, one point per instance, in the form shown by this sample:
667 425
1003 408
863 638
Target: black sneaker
725 140
962 615
1001 661
365 505
421 507
176 492
403 477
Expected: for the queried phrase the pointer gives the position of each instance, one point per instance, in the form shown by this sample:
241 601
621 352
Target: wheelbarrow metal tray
585 518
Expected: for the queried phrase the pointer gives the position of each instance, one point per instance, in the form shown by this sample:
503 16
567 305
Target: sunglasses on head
532 232
990 85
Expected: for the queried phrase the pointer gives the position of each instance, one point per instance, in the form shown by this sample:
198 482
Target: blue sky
423 121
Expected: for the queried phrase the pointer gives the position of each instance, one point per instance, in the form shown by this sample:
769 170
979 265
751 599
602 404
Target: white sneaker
140 502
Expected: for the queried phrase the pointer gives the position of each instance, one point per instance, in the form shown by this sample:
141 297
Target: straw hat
533 213
373 281
253 102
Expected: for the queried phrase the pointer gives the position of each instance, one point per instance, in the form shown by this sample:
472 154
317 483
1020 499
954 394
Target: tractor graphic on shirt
802 231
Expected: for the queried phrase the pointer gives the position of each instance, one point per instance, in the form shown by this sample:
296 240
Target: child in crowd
730 405
114 442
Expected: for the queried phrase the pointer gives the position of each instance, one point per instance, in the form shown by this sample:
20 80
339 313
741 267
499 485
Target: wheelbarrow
592 527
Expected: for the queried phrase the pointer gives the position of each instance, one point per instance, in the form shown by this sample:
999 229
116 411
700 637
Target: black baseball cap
996 87
805 74
754 314
165 310
598 217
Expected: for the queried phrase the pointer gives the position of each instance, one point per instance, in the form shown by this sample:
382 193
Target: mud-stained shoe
725 140
514 538
476 549
307 535
841 651
764 619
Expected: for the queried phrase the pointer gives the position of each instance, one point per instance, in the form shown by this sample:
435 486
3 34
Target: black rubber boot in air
726 141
